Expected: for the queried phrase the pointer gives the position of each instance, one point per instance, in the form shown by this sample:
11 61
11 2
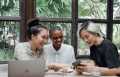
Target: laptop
31 68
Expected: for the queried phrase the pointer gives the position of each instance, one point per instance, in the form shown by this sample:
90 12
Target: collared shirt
23 51
64 55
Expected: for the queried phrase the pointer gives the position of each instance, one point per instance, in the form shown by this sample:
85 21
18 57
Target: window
65 13
9 28
9 8
116 7
53 8
116 37
9 37
92 9
99 11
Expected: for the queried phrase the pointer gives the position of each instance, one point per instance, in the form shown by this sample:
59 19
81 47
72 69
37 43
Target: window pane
116 7
9 36
9 8
66 27
92 9
83 48
53 8
116 35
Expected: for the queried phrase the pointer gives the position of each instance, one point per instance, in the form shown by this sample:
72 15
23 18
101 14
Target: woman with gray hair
102 51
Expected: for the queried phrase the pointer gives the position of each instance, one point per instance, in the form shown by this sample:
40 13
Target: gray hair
91 27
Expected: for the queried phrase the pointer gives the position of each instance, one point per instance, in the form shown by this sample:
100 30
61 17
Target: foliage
8 34
6 54
9 7
92 9
87 9
53 8
116 33
56 8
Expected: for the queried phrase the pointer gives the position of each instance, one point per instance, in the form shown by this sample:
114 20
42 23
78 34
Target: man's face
57 38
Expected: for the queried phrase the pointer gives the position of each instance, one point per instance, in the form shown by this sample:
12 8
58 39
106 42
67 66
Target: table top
4 73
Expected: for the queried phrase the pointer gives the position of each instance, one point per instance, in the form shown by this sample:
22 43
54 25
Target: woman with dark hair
102 51
32 49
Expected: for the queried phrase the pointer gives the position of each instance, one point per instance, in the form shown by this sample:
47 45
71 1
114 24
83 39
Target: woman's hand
84 67
80 68
110 72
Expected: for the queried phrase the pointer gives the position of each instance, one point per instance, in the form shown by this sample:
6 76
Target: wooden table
71 75
4 73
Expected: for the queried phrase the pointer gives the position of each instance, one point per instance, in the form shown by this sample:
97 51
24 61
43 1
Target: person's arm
103 71
118 71
84 66
109 72
72 55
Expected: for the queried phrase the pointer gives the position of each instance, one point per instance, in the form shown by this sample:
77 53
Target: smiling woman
38 35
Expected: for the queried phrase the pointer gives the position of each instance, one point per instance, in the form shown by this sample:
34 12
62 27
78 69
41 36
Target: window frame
28 10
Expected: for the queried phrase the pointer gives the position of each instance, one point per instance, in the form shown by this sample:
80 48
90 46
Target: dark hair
54 29
34 27
84 25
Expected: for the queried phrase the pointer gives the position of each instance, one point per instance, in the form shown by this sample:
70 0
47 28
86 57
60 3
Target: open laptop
31 68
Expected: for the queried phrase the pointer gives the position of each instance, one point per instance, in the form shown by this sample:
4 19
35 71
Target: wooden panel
9 18
74 25
27 11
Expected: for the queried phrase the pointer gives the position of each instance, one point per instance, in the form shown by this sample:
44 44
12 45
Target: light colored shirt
65 55
23 51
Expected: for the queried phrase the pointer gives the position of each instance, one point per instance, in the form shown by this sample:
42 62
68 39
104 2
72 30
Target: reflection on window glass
83 48
116 35
9 36
9 7
92 9
66 27
116 7
53 8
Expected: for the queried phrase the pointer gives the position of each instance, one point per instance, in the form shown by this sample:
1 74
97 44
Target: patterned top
23 51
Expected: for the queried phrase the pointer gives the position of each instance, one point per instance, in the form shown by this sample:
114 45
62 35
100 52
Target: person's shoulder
22 48
22 45
68 49
47 46
67 46
107 42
